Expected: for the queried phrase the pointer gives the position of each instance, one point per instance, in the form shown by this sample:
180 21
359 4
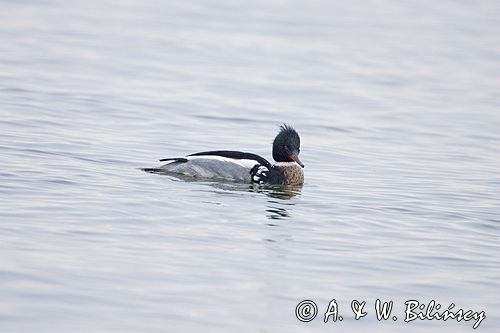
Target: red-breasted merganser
241 166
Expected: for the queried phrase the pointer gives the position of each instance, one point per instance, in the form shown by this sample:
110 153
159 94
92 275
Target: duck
243 166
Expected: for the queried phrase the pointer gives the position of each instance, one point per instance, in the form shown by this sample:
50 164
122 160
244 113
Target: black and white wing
261 174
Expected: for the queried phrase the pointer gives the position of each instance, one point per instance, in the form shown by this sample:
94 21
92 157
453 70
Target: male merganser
244 167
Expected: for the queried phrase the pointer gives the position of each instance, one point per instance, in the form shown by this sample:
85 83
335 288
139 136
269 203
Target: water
397 106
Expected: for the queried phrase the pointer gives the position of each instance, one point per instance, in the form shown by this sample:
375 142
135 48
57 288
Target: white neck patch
286 164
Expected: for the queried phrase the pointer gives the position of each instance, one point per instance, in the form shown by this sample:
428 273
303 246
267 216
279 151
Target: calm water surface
398 107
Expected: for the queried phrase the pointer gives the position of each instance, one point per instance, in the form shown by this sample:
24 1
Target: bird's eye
286 147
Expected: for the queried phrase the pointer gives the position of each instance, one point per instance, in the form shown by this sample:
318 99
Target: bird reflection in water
278 191
276 213
276 209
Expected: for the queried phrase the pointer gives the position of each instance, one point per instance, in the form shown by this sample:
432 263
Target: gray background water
397 104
